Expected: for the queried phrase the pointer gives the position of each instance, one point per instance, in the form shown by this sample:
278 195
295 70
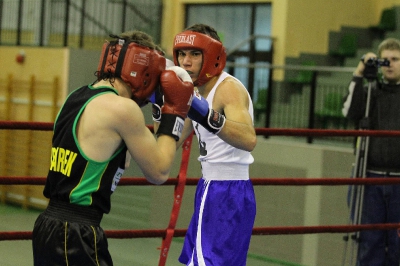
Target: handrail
249 39
91 18
292 67
72 21
144 17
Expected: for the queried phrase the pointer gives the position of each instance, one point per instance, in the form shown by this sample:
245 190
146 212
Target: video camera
378 62
372 65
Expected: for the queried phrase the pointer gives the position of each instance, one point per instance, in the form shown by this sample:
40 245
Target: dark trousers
381 204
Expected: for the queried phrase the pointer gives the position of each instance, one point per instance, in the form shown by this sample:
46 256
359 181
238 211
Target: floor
137 252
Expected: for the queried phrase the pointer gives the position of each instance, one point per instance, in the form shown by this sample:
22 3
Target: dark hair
139 37
205 29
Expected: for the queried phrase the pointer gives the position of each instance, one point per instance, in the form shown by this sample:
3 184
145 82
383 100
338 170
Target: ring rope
182 180
140 181
47 126
270 230
325 132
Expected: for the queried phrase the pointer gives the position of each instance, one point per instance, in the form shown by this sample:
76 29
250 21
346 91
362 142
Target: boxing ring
182 180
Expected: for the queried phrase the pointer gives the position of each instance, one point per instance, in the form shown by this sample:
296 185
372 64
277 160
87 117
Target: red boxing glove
178 95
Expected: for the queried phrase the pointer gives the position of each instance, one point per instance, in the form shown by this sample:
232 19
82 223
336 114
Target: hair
205 29
160 49
388 44
138 37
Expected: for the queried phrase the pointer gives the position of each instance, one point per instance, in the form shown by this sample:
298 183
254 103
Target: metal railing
75 23
316 104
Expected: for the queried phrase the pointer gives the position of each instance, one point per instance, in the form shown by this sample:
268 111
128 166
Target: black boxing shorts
69 234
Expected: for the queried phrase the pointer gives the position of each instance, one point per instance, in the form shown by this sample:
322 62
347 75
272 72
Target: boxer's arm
155 157
187 130
232 99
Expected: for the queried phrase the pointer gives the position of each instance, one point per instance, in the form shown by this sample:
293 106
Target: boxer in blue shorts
222 117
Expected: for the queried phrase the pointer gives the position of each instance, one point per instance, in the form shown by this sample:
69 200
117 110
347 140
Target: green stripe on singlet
89 183
91 177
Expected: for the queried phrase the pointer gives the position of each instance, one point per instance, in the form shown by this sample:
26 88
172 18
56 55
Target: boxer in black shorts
98 129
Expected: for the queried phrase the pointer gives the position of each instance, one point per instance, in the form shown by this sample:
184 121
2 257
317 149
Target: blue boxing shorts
221 226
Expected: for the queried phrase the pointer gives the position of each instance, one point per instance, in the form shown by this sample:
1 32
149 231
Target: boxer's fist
178 93
200 112
157 98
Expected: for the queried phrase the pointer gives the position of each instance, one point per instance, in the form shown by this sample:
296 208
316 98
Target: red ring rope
47 126
182 180
139 181
273 230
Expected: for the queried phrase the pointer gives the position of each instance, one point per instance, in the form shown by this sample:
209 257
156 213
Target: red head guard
140 67
214 54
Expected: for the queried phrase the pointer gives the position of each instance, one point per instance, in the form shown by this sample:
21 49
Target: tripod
356 193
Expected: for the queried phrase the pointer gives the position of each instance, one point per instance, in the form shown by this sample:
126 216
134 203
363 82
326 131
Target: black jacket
384 114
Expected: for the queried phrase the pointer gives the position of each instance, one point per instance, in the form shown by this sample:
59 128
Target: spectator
380 203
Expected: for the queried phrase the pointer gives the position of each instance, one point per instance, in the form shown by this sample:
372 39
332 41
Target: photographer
381 203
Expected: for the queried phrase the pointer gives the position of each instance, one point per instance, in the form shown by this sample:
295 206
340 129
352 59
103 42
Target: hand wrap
157 102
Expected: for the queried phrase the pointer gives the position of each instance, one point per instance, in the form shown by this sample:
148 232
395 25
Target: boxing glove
200 112
177 88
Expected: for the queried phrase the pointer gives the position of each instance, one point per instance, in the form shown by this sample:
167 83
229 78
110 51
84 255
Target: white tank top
216 154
